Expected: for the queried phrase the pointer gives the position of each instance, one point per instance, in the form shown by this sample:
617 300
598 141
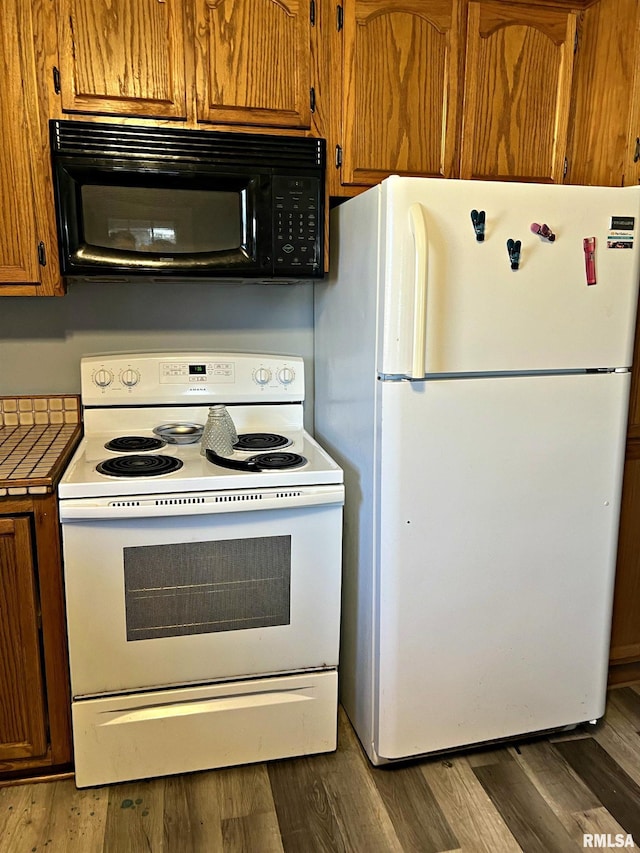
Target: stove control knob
262 376
286 375
130 377
103 378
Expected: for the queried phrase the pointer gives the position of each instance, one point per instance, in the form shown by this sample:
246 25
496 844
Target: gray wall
43 339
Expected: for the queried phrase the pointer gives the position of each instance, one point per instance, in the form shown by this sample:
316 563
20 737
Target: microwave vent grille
93 139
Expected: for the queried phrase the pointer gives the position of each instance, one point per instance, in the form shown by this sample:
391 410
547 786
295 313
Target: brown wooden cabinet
122 58
632 136
253 62
28 245
399 89
35 732
604 126
517 91
22 718
225 62
451 88
625 630
625 633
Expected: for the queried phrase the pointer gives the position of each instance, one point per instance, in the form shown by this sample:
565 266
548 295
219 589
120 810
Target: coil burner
261 441
274 461
139 466
134 443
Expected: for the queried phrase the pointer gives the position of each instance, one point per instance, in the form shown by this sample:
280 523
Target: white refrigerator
473 351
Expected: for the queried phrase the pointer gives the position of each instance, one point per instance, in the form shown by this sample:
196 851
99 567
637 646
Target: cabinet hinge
56 80
565 168
636 153
42 254
312 99
312 12
339 17
575 42
338 156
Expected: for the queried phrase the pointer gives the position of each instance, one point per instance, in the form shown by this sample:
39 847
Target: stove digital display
197 369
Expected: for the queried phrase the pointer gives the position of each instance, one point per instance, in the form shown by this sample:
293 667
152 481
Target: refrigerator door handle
418 225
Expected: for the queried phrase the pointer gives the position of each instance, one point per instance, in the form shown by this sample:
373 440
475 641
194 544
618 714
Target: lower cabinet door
625 631
22 716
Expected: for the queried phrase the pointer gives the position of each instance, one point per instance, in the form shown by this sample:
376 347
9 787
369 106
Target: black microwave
137 201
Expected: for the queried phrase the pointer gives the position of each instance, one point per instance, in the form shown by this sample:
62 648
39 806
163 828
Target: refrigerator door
453 304
498 508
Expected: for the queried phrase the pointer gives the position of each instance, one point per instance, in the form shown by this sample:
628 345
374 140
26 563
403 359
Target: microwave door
151 223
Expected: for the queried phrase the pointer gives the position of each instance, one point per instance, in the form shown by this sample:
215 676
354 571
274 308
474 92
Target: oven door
192 592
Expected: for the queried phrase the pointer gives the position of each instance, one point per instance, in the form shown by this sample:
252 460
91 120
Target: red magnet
589 246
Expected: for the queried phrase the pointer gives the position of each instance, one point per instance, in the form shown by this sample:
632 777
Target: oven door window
148 222
206 587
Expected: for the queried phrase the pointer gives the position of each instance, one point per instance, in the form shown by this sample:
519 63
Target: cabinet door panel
602 95
122 57
27 219
22 716
18 238
400 83
253 62
625 632
633 426
632 153
517 89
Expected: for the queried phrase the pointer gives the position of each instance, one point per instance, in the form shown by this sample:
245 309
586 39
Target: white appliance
474 387
203 602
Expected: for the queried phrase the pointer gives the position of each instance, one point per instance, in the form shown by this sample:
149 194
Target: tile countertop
37 437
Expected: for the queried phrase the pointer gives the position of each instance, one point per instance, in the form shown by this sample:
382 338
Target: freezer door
454 304
498 516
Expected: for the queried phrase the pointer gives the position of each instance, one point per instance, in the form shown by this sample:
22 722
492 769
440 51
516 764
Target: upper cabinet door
632 137
253 62
119 57
400 82
18 235
518 74
599 150
28 244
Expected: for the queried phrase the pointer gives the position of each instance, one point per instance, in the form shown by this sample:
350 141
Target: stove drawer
177 731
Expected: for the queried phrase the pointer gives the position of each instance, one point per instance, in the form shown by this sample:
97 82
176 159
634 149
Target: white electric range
203 601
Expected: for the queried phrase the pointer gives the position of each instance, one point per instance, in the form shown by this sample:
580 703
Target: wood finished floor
539 796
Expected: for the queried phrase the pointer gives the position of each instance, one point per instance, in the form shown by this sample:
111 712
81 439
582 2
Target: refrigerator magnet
589 246
619 240
622 223
620 234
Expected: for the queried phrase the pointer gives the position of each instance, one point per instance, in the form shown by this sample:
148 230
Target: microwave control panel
297 230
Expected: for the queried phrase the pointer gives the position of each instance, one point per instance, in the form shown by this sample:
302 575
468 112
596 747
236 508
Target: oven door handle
236 464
